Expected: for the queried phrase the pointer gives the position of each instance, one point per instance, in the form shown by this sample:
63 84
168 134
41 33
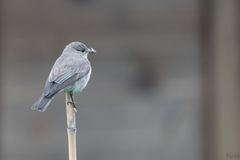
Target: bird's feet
73 105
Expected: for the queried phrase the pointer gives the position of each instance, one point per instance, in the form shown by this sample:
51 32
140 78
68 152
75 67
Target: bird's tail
42 103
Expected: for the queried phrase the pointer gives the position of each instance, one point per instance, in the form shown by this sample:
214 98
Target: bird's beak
92 51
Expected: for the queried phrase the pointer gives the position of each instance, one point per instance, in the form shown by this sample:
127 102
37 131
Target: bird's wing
65 72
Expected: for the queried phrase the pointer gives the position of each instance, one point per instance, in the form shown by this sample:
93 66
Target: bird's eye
80 49
83 50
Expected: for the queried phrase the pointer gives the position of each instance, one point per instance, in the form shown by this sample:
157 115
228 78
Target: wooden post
71 127
225 64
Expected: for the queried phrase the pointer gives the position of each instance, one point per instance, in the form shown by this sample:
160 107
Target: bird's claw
73 105
75 109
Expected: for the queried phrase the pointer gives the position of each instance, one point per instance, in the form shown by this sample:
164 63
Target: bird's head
80 48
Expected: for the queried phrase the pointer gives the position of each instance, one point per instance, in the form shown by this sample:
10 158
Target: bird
70 73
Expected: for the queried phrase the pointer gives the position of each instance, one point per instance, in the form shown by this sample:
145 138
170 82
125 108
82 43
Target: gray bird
70 73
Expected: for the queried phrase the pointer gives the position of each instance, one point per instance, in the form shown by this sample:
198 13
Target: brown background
165 81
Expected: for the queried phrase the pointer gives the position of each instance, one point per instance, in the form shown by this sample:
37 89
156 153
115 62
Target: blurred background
165 81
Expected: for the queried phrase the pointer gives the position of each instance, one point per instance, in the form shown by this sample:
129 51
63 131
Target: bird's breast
79 85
